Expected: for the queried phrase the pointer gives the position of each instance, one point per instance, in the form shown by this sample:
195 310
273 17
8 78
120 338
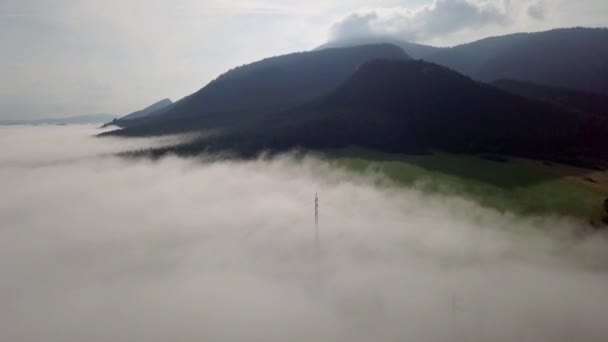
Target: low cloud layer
435 19
98 248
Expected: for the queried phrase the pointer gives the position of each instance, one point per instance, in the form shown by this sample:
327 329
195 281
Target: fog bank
98 248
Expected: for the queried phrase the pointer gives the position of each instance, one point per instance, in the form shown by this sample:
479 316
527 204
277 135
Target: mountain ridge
248 92
151 109
564 57
414 50
574 58
416 106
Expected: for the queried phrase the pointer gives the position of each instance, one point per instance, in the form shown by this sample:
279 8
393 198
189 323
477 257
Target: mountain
246 93
154 109
416 51
573 58
581 101
72 120
414 106
376 96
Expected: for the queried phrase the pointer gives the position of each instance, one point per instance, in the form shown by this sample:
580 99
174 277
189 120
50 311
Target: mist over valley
278 170
98 247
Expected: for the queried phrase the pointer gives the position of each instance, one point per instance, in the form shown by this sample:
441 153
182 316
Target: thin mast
317 237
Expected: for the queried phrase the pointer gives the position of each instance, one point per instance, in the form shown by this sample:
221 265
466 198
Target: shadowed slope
413 106
255 90
574 99
573 58
154 109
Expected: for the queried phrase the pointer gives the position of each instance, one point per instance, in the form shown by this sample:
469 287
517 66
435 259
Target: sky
70 57
94 247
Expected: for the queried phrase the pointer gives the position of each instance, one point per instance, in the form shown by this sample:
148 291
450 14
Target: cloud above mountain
431 20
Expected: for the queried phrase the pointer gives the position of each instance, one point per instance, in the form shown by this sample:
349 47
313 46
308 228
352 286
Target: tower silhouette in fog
317 237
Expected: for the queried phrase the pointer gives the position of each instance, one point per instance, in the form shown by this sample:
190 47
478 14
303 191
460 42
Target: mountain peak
159 105
414 50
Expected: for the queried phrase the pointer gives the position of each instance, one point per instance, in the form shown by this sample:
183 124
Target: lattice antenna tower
317 237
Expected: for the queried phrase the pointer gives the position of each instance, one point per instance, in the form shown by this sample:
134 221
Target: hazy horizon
66 58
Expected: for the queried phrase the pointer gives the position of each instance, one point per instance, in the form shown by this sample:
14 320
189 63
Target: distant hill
154 109
585 102
72 120
573 58
416 51
413 106
244 94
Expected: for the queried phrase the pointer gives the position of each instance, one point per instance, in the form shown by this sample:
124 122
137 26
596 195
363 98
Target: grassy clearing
520 186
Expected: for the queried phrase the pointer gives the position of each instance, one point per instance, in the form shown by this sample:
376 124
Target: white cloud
440 17
97 248
450 22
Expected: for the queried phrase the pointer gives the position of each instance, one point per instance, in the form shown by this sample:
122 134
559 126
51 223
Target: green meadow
519 186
